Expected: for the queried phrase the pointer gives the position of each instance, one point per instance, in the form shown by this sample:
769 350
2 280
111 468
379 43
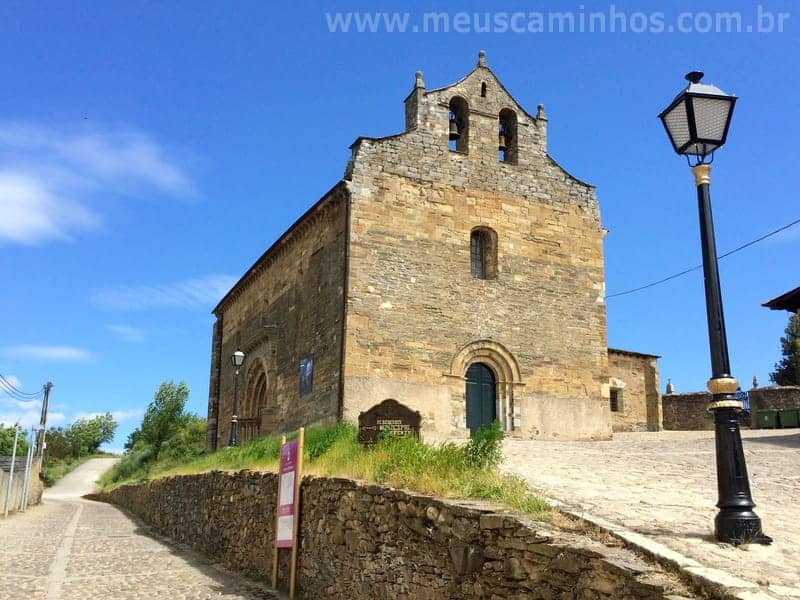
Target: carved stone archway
506 370
254 400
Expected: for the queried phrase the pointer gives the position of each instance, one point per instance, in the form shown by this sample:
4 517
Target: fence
19 482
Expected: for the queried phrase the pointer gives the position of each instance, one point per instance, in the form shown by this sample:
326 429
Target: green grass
446 470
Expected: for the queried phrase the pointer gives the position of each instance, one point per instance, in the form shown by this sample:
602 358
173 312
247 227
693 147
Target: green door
481 390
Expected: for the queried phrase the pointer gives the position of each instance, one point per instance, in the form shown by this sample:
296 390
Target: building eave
789 301
632 353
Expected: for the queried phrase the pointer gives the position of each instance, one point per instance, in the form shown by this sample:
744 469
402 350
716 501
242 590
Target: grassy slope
333 451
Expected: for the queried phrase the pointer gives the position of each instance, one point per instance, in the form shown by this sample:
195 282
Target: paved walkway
74 549
663 485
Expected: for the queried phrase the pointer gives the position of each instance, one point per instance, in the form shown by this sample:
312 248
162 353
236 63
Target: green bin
767 418
789 418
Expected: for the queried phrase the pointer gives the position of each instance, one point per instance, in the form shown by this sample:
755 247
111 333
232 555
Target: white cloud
118 415
6 400
30 418
60 353
31 212
203 291
52 182
14 381
127 333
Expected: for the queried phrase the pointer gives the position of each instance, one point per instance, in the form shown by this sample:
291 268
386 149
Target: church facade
456 268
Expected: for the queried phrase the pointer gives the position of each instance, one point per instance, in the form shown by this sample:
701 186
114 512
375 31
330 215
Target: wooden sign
287 514
287 502
389 418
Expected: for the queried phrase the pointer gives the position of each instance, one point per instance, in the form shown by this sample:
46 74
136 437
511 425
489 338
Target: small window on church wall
507 136
458 126
616 400
306 375
483 90
483 253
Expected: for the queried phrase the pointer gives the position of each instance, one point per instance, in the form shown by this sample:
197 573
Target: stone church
457 268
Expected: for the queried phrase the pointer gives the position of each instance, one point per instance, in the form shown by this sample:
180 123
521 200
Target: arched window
483 253
458 127
507 136
483 90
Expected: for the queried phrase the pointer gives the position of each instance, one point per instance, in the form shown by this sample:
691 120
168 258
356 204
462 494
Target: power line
17 394
696 267
16 389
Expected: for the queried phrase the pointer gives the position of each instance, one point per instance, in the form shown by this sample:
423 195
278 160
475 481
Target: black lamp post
697 123
237 359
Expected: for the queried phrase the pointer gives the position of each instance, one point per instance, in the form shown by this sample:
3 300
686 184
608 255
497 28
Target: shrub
485 447
7 441
132 465
187 442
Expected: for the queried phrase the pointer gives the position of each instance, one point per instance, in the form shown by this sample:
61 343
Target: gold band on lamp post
722 385
734 404
702 174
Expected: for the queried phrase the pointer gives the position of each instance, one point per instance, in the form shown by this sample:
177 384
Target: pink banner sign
287 503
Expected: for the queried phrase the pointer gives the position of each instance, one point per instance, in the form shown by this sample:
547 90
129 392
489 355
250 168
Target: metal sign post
287 514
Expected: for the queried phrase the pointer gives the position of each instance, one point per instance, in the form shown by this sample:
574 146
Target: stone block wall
687 412
778 397
413 306
366 541
288 307
635 377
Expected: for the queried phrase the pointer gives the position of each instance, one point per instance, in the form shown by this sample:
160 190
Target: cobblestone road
74 549
663 485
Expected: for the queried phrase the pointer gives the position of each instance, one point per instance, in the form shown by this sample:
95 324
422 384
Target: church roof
789 301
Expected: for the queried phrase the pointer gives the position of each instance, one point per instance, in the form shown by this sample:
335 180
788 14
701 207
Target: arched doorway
481 397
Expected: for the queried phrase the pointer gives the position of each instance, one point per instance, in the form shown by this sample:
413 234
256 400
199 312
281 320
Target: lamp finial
694 76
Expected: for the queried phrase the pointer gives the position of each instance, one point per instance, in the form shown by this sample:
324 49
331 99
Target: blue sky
149 152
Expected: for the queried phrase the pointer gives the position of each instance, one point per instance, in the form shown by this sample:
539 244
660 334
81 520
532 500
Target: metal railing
15 475
248 430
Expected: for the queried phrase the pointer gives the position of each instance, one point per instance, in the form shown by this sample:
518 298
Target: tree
7 441
787 371
164 416
89 434
84 436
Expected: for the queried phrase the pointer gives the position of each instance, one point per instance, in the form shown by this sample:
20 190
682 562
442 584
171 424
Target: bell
502 143
454 134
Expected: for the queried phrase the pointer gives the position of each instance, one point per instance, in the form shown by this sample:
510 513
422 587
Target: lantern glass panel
677 124
711 116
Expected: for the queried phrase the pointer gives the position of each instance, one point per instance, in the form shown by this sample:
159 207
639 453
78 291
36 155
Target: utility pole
43 421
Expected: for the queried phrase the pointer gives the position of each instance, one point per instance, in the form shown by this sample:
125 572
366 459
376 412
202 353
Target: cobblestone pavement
74 549
663 485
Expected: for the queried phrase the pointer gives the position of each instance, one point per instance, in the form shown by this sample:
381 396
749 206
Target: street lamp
237 359
697 123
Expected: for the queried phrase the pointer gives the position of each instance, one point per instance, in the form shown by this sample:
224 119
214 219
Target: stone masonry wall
413 305
687 412
778 397
289 307
636 376
366 541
